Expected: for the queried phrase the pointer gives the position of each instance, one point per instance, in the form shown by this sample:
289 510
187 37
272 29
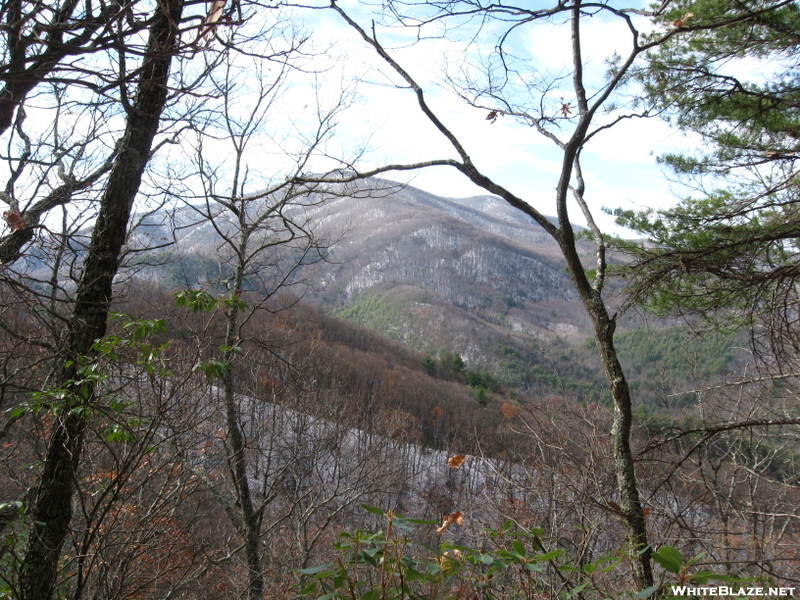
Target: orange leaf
456 461
14 220
455 519
682 21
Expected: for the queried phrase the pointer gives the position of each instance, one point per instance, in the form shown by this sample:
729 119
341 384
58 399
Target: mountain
468 251
462 274
381 234
468 276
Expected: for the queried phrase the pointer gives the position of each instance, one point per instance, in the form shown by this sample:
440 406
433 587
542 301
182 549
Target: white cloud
620 164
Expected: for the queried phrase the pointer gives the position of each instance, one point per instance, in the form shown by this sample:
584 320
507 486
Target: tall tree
510 84
54 45
264 239
51 512
133 85
261 225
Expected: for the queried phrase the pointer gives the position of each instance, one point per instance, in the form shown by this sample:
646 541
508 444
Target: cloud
619 164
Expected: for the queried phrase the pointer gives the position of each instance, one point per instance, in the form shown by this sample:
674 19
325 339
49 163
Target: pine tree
728 251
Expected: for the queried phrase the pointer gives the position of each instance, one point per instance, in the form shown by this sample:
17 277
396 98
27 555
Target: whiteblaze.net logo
724 590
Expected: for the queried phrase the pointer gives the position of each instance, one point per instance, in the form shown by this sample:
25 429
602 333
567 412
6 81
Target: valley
469 276
240 360
420 328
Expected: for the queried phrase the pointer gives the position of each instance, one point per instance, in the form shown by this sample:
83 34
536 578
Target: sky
620 165
383 125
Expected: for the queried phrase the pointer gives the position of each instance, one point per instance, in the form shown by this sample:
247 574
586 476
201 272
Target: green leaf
369 556
117 433
577 589
117 405
372 509
534 567
567 568
594 567
139 329
647 592
669 558
17 412
421 521
702 576
413 575
339 579
548 556
197 300
212 369
309 589
314 570
234 302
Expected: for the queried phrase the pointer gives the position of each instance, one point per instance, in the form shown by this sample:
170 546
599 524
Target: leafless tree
263 241
512 87
132 80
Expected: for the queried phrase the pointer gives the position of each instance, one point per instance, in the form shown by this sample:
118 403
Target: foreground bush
513 564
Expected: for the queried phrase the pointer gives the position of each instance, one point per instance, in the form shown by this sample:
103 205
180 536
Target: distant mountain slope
471 276
489 272
425 322
464 250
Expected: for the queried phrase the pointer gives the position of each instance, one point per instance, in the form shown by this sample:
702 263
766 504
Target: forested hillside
240 359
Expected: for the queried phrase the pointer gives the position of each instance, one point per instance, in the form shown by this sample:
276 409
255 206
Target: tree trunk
621 448
250 526
52 509
251 520
591 295
624 470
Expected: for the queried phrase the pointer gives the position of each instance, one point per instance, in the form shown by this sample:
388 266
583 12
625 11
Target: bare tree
729 475
570 123
506 82
51 512
263 241
50 56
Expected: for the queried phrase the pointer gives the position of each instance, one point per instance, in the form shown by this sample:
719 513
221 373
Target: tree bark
52 508
624 466
251 518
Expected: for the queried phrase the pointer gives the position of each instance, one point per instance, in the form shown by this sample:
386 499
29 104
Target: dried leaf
455 519
456 461
14 220
682 21
213 17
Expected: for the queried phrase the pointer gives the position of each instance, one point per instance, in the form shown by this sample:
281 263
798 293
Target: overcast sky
619 165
